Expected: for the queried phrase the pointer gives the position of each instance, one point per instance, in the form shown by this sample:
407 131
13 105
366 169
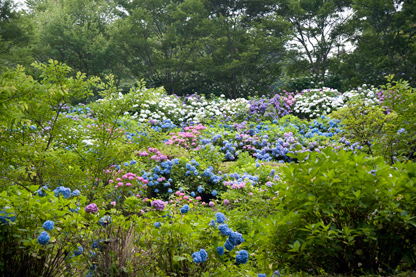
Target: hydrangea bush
147 184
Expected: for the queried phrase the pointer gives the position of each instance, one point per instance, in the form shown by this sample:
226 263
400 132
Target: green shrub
345 213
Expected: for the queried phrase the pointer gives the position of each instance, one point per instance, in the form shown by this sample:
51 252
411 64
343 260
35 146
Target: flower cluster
6 217
200 256
65 192
158 204
91 208
185 209
241 257
105 220
313 103
43 238
48 225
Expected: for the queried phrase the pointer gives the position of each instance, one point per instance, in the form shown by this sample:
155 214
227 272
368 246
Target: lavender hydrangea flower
158 204
91 208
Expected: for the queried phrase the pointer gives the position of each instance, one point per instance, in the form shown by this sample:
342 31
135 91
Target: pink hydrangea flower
226 202
113 203
211 204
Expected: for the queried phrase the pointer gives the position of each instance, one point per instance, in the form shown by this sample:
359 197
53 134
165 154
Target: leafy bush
345 213
387 130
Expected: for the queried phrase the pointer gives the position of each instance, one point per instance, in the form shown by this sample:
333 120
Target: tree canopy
236 48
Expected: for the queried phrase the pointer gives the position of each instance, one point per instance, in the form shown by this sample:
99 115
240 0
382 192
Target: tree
77 33
15 35
385 42
318 30
244 48
160 39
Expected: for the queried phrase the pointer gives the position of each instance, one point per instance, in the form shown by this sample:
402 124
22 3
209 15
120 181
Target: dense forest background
237 48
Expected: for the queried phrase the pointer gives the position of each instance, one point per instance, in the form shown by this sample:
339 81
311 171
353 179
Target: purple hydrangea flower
91 208
159 205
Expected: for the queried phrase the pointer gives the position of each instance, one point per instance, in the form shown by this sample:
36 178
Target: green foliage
387 131
345 213
16 36
34 127
21 254
78 34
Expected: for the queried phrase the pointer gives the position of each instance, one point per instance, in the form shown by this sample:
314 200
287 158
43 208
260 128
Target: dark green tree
161 39
385 42
244 49
319 33
77 33
15 35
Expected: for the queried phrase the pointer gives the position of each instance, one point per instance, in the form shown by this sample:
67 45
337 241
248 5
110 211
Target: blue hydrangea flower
200 189
48 225
5 217
233 238
401 130
193 194
240 238
196 258
79 251
157 224
75 193
156 190
261 275
228 245
220 217
41 191
170 190
126 164
276 273
66 192
105 220
185 209
214 192
211 223
43 238
95 244
241 257
224 229
204 255
200 256
220 250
